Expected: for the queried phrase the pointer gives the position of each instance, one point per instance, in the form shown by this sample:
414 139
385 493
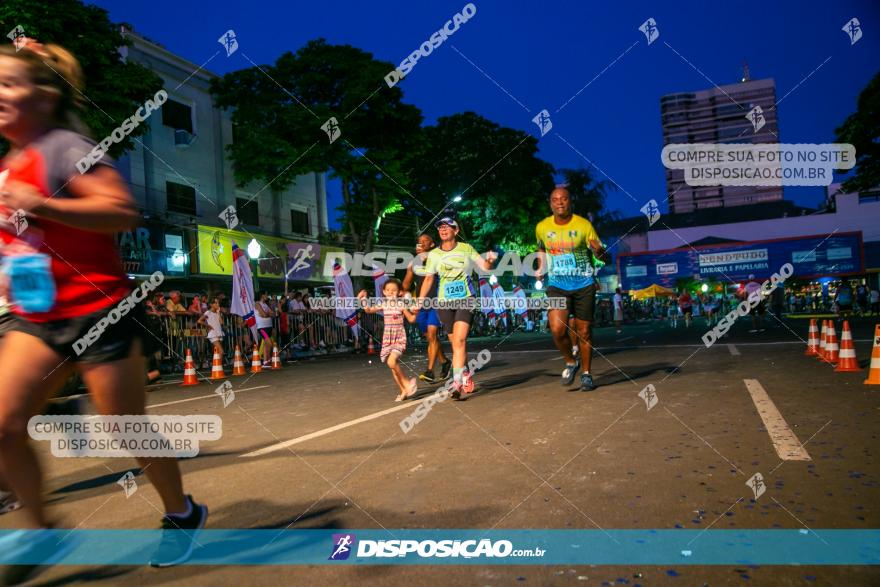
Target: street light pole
254 249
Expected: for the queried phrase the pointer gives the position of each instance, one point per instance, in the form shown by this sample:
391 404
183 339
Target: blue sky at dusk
541 54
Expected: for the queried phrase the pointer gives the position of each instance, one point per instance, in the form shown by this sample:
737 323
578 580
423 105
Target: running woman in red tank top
62 273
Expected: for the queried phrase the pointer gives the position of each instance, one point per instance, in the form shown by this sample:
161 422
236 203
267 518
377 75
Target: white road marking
214 395
787 446
191 399
733 350
278 446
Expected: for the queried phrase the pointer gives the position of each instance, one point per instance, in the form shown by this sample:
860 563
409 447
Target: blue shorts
427 318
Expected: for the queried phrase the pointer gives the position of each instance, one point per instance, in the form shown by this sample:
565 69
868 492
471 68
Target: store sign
142 250
819 256
278 256
303 260
667 268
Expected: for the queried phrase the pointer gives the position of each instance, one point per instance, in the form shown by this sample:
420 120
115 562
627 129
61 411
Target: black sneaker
428 376
445 368
178 536
570 372
587 382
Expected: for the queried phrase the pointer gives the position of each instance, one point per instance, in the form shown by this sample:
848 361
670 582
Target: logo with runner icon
342 546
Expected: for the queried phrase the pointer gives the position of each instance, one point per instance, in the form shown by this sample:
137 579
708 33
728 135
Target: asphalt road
523 452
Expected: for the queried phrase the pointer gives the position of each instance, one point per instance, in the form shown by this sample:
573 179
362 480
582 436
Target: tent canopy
652 291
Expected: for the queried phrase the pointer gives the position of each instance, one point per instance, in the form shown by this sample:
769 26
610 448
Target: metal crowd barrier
307 333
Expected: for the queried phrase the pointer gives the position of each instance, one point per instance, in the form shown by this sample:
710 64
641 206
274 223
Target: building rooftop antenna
746 76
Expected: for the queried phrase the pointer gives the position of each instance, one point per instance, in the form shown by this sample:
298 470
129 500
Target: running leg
23 395
584 333
435 351
562 337
117 389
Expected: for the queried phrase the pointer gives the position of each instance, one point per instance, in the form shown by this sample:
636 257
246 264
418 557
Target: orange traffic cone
831 347
189 371
823 340
217 367
874 367
237 363
848 362
371 349
276 358
256 363
813 339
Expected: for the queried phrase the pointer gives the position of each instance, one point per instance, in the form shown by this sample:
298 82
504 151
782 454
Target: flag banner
343 288
243 289
519 294
487 299
500 305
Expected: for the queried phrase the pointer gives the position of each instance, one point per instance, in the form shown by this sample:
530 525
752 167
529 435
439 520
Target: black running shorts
449 317
83 340
580 302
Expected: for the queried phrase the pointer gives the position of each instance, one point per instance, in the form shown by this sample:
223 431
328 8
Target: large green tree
278 111
495 170
114 88
862 130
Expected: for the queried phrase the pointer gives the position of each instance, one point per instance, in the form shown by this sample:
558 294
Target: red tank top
86 267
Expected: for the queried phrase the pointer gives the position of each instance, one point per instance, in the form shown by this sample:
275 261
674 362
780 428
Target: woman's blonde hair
55 70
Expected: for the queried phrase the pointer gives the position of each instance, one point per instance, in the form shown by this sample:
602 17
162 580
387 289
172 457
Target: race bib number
30 281
564 264
454 290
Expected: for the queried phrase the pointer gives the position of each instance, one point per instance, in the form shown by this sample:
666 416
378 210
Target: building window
248 211
299 221
178 116
181 198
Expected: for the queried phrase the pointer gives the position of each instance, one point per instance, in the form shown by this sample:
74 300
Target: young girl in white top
215 326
